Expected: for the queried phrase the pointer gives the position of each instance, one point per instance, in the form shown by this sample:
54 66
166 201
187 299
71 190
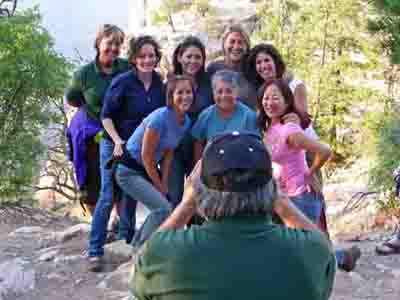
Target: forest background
346 51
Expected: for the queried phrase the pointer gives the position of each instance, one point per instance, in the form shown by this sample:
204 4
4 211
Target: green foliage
32 76
386 24
163 15
383 131
325 43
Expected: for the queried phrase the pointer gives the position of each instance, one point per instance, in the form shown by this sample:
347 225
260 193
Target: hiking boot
350 259
95 264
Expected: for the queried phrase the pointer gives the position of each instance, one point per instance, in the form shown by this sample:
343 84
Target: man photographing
238 253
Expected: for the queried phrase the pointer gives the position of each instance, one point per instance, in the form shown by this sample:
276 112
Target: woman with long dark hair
188 60
288 144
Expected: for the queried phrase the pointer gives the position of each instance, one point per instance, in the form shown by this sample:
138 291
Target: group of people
243 122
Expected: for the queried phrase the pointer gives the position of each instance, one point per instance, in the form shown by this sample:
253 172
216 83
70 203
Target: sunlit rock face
189 22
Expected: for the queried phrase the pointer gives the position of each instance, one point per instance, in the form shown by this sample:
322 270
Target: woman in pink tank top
288 144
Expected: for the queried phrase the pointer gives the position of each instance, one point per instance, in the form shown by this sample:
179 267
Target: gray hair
227 76
213 204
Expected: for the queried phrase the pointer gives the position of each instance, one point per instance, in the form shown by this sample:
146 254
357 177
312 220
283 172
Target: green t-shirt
89 85
236 258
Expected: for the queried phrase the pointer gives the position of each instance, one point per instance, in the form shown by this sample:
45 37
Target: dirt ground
67 279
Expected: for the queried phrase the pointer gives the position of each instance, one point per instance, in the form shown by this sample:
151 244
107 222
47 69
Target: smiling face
109 48
225 96
182 97
192 61
234 47
274 103
265 66
146 59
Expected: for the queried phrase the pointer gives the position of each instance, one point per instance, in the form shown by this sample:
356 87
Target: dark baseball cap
236 162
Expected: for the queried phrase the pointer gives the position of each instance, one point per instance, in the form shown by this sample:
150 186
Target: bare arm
108 125
300 98
291 215
150 142
166 167
321 151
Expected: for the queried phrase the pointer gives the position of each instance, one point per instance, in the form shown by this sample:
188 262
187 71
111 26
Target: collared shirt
235 258
127 102
210 123
165 122
247 92
89 84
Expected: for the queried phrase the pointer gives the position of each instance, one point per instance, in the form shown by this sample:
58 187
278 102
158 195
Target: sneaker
350 259
95 264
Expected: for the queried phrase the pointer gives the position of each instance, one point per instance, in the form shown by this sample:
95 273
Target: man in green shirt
238 253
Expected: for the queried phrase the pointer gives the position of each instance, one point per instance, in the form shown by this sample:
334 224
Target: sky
73 23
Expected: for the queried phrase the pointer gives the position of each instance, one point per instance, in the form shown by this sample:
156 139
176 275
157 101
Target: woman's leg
176 179
127 222
104 205
135 185
311 204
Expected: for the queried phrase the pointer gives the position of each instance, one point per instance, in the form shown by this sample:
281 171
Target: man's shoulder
172 243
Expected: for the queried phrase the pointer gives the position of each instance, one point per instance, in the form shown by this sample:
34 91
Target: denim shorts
310 204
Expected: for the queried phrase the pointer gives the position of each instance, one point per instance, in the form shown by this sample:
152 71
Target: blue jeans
134 184
98 233
311 204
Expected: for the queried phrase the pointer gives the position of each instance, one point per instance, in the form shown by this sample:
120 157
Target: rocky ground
42 256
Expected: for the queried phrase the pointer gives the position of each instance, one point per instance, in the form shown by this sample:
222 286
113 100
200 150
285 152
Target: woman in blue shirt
227 114
152 144
189 59
130 98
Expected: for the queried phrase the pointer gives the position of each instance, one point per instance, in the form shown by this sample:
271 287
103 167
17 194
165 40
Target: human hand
118 149
291 118
313 182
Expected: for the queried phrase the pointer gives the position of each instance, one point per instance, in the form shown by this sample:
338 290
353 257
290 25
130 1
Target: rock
119 278
47 256
356 277
117 295
119 251
27 230
71 232
66 259
57 277
47 249
395 273
15 278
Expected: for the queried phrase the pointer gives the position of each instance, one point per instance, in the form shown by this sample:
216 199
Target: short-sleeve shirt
89 84
164 121
210 123
127 102
291 163
235 258
247 92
